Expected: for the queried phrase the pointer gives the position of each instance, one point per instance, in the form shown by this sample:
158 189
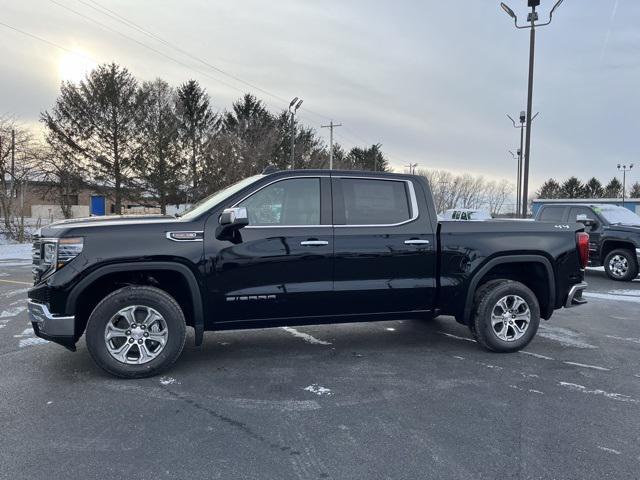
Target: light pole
412 168
521 127
624 169
531 19
517 157
293 108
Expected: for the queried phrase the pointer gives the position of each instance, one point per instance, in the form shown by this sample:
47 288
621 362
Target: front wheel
136 332
621 265
506 315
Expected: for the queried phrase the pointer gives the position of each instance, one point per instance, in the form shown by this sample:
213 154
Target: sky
432 81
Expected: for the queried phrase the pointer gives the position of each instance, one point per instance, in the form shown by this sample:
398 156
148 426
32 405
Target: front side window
375 202
295 201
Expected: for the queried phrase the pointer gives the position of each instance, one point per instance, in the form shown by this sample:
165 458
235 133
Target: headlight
68 249
57 254
49 253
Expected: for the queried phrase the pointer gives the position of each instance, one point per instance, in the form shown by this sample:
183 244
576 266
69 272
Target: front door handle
416 241
314 243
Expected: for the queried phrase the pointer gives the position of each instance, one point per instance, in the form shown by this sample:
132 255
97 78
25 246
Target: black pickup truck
296 248
614 234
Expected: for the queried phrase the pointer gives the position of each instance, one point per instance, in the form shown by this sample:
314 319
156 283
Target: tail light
582 239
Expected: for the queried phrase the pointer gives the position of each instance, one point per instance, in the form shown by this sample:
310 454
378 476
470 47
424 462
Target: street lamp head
508 10
298 104
554 8
522 116
533 3
293 102
618 166
630 166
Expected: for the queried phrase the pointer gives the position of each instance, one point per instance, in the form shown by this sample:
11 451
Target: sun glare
73 67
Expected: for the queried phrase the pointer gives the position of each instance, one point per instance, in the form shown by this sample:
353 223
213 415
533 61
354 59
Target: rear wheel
136 332
506 315
621 265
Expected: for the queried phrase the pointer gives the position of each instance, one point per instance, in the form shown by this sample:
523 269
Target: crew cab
614 234
296 248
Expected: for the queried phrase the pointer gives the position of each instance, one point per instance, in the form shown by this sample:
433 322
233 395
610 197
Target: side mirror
231 220
587 222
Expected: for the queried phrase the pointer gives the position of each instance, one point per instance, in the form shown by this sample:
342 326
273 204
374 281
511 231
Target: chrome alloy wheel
618 266
136 334
510 318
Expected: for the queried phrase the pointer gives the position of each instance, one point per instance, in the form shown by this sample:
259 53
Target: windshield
620 215
208 202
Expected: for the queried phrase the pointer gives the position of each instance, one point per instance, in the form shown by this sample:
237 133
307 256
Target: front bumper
574 298
638 255
52 327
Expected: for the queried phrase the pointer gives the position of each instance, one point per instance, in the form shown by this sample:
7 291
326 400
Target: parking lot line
16 282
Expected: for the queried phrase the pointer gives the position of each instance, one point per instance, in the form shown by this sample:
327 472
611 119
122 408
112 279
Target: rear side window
575 211
551 214
375 202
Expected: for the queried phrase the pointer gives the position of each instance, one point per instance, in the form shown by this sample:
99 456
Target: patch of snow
167 380
21 251
536 355
458 357
629 293
390 329
613 396
609 296
305 336
28 332
13 293
584 365
609 450
29 342
531 390
318 390
624 339
12 312
450 335
564 336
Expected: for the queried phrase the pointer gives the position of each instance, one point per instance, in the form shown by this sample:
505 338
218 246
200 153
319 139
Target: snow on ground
20 251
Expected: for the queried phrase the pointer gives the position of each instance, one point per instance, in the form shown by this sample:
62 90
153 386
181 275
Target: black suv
614 234
295 248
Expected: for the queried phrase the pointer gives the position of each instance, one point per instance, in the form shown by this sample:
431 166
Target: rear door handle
314 243
416 241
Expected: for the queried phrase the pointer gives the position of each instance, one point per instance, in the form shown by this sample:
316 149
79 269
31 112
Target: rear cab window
374 202
552 214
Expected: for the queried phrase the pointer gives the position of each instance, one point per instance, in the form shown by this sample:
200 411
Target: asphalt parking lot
399 399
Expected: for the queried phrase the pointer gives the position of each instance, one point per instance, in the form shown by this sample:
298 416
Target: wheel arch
188 290
609 245
495 266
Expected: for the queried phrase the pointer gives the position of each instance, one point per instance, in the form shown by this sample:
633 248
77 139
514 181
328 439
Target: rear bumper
52 327
574 298
638 255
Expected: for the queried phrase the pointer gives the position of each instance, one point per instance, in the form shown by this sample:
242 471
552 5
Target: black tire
621 265
486 301
150 297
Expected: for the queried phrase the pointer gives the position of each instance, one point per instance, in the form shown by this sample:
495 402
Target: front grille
36 256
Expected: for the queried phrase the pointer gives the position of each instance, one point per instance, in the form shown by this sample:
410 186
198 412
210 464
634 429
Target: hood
103 221
625 228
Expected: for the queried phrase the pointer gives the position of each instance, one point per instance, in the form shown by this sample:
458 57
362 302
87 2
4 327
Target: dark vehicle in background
296 248
614 234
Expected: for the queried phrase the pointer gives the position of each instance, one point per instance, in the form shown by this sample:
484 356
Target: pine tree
635 190
96 120
572 188
158 163
196 121
593 188
613 189
550 189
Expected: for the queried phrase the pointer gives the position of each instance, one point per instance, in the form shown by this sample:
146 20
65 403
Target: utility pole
331 126
531 19
412 168
13 157
293 108
520 150
624 169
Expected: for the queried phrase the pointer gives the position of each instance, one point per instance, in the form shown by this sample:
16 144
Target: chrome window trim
412 197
